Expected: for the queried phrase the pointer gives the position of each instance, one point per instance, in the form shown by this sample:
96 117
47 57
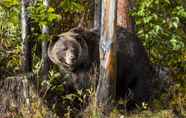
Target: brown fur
134 70
67 44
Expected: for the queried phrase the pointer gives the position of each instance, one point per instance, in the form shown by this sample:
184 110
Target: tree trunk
45 65
19 98
123 18
27 47
106 89
97 13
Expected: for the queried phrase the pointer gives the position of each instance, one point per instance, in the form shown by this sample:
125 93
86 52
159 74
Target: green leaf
176 44
9 3
167 1
51 10
72 6
158 28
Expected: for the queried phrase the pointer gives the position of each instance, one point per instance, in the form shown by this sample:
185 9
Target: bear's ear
55 38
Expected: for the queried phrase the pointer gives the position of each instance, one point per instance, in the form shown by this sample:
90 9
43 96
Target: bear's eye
64 49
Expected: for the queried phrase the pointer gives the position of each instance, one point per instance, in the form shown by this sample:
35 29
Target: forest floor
22 100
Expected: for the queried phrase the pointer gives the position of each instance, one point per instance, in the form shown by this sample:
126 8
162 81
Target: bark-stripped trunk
123 18
106 89
27 48
45 65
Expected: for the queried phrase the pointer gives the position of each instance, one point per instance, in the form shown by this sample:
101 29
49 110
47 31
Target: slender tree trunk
27 47
106 89
45 65
123 18
97 13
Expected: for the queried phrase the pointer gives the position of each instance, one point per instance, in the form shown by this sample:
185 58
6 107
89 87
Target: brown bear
75 52
78 49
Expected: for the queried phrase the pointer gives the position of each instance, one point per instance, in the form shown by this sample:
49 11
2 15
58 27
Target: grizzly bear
78 50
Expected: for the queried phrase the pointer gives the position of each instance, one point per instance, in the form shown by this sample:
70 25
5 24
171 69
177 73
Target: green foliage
160 26
10 43
72 6
42 15
48 16
9 3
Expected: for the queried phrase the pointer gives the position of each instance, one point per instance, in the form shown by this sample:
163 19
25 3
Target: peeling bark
106 89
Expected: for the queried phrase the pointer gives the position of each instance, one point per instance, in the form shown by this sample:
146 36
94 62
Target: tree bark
106 89
27 47
97 14
123 18
45 65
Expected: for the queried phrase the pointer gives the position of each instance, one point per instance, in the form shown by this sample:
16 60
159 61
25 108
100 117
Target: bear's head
68 51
